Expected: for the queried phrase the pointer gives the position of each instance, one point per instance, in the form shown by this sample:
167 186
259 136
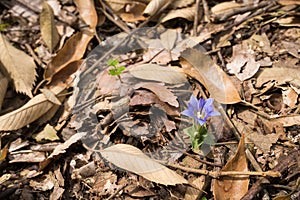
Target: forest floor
149 99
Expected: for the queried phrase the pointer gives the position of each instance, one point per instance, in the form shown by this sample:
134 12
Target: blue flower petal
188 113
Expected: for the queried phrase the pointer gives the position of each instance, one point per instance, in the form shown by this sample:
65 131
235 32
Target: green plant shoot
117 70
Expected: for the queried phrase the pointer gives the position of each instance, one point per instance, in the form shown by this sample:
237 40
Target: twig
116 192
217 174
196 18
117 22
206 10
281 167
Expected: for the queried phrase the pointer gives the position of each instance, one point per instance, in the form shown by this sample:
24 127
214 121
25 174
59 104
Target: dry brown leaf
181 3
27 156
133 11
61 148
289 2
243 63
185 13
72 51
168 39
3 88
158 73
87 12
154 6
289 120
289 96
280 75
48 29
31 111
291 21
211 76
19 65
134 160
224 7
263 142
233 187
161 92
48 133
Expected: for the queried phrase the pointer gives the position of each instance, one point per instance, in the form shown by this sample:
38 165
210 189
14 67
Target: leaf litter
254 71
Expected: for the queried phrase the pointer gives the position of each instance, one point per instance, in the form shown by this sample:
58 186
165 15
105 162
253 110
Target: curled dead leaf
48 29
211 76
72 51
229 187
87 12
31 111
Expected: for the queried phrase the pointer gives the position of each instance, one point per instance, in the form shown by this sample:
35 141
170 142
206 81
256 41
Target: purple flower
200 109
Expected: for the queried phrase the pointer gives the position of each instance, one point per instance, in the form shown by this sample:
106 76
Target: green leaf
3 26
116 71
113 62
197 135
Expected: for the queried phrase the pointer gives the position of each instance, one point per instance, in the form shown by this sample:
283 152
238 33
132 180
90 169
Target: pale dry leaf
211 76
181 3
48 133
27 157
280 75
133 11
289 96
224 7
48 29
44 185
154 6
51 96
159 73
161 92
31 111
292 48
72 51
287 121
3 88
134 160
19 65
263 142
61 148
233 187
87 12
243 64
116 5
168 39
185 13
289 2
56 193
291 21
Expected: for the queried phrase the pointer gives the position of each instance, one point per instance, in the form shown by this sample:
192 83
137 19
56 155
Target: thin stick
218 174
196 18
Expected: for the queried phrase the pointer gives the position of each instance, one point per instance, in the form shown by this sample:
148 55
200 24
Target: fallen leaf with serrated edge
134 160
20 66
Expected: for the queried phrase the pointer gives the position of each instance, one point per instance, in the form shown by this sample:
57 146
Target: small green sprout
3 26
117 70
